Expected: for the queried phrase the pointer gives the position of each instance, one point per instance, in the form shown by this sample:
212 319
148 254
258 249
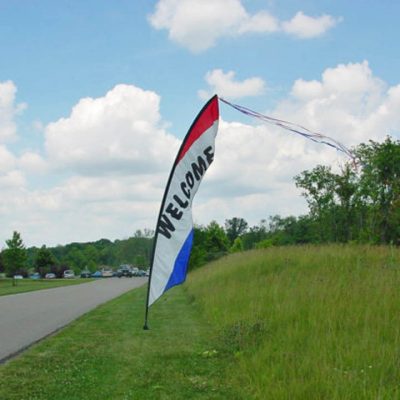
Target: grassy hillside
307 322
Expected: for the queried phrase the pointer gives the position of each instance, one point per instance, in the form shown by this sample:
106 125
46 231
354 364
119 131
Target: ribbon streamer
295 128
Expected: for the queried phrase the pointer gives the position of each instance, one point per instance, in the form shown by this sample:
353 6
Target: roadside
28 317
9 286
106 354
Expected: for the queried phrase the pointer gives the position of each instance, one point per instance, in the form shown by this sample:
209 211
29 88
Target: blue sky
99 172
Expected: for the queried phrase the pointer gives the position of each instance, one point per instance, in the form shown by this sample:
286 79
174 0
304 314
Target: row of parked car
67 274
123 270
104 273
128 271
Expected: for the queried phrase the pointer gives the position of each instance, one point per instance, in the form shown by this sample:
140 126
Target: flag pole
146 315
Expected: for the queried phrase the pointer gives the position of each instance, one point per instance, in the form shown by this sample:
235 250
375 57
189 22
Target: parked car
35 275
68 274
140 272
85 273
50 275
107 272
124 270
96 274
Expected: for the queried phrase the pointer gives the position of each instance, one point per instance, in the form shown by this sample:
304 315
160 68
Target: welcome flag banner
174 231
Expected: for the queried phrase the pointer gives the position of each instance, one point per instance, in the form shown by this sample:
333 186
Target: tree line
15 258
360 203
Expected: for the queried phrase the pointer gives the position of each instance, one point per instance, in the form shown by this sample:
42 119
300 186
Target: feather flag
174 231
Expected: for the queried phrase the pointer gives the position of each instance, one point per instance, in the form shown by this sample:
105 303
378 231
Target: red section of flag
206 118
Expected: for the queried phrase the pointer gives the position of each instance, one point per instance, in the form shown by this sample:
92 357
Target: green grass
107 355
29 285
281 323
307 322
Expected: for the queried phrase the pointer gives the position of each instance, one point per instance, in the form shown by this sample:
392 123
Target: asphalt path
26 318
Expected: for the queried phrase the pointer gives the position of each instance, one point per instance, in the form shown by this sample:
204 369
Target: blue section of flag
179 272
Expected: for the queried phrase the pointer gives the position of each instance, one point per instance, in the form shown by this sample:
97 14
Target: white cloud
254 166
225 85
7 160
197 25
118 133
102 173
306 27
8 110
32 163
81 208
13 179
262 22
348 103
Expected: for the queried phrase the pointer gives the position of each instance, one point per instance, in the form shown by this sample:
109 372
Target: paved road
26 318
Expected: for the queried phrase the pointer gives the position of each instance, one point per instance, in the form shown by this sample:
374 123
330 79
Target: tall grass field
307 322
318 322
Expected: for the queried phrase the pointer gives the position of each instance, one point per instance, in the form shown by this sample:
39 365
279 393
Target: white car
107 273
68 273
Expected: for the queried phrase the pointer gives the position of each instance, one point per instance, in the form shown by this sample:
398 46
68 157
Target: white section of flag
167 250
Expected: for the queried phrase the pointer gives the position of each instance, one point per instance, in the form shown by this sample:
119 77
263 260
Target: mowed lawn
106 354
306 322
7 286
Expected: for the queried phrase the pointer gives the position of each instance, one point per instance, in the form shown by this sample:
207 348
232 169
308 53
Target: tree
357 204
209 244
380 188
255 234
332 199
235 227
106 256
91 255
198 255
237 245
319 190
216 241
14 256
75 257
44 261
2 268
135 250
349 206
